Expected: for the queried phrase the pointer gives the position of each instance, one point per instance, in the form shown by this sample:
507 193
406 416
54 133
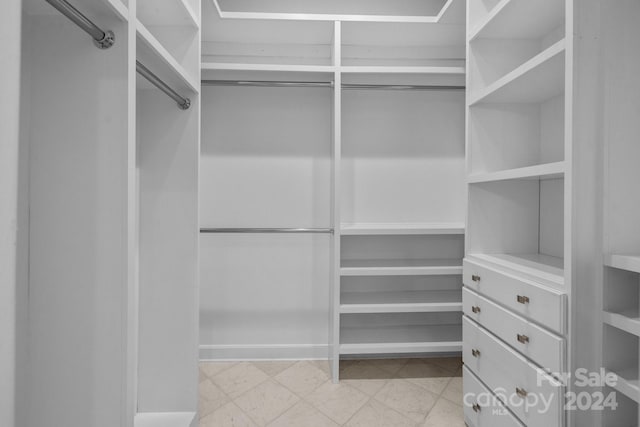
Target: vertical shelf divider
334 333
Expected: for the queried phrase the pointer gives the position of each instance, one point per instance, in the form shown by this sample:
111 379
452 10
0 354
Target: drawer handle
476 408
475 353
523 339
521 392
475 309
522 299
475 278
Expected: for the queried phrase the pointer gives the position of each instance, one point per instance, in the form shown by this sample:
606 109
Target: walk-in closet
359 213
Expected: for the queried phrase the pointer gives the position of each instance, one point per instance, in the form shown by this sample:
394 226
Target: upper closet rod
183 103
106 39
102 39
355 86
347 86
264 83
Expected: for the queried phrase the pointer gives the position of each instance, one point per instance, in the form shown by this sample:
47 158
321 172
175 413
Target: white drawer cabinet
509 374
541 304
544 348
482 408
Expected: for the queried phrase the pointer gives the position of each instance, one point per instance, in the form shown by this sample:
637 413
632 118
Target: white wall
10 22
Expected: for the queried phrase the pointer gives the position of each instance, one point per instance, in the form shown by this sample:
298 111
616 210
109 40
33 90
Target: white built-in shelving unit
389 178
110 190
621 284
519 152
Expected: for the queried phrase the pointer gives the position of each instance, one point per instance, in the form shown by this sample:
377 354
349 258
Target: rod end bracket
185 105
107 41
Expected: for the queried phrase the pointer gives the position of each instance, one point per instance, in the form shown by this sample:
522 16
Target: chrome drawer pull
475 309
521 392
475 278
475 353
522 299
476 408
523 339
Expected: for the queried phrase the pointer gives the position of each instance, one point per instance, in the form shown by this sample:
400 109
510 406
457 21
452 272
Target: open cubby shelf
623 262
628 383
628 320
401 339
371 229
400 301
400 267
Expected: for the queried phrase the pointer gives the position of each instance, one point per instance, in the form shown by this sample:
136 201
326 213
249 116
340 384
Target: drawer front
542 347
481 407
541 304
511 376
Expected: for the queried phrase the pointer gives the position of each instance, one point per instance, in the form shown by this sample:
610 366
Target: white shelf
545 267
628 320
539 79
628 384
545 171
365 229
119 8
400 302
166 13
401 339
623 262
164 419
158 59
208 66
400 267
517 19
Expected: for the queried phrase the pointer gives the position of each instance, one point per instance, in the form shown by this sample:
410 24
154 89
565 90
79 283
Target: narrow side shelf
158 59
538 79
373 229
628 321
628 384
515 19
544 171
401 267
164 419
400 302
623 262
212 66
120 9
401 339
166 13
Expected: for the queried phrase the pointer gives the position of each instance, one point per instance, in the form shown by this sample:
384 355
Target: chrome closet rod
356 86
262 83
183 103
102 39
347 86
266 230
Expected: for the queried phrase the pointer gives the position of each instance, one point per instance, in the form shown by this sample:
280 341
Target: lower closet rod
267 230
183 103
102 39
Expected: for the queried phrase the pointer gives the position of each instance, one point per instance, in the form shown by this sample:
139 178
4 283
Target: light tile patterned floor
371 393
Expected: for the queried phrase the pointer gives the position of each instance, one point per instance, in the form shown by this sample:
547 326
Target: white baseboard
264 352
165 419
